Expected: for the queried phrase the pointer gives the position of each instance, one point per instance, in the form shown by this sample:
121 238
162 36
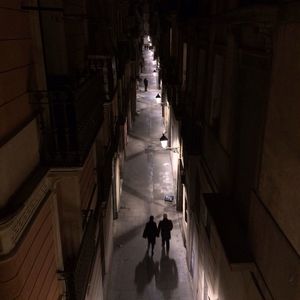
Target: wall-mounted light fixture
158 98
164 143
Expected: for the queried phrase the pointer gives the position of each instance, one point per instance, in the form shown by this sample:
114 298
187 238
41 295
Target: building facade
67 97
229 76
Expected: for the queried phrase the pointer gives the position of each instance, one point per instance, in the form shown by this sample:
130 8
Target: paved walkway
147 179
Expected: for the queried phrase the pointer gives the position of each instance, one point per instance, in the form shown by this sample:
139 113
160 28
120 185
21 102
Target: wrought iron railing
170 74
78 272
105 175
192 136
70 118
105 66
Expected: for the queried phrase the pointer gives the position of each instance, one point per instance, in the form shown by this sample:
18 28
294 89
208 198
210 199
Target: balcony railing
78 272
170 71
192 136
105 175
125 53
105 66
70 118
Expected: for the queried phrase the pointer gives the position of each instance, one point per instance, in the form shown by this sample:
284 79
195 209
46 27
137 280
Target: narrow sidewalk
147 179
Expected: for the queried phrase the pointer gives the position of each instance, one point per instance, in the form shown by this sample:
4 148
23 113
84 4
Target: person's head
165 216
151 218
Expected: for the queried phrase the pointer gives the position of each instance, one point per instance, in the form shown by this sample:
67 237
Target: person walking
150 233
146 84
164 228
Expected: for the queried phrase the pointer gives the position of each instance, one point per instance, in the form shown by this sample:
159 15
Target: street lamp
164 144
164 141
158 98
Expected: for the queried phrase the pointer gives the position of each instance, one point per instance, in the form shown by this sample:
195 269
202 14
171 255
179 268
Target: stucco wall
280 172
15 66
274 256
30 272
18 158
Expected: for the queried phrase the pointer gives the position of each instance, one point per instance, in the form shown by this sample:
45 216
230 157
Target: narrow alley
115 113
147 179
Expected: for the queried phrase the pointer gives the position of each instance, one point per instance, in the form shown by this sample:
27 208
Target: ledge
18 199
21 209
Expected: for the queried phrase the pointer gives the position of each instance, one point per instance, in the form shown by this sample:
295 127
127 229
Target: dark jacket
164 227
150 231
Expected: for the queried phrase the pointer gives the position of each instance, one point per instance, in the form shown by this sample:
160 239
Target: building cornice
13 227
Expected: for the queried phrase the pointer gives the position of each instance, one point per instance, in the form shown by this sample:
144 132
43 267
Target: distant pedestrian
146 84
150 233
164 228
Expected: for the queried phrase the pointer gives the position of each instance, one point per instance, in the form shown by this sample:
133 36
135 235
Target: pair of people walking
164 228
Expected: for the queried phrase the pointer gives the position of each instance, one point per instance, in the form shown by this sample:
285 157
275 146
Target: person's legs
163 242
168 245
152 247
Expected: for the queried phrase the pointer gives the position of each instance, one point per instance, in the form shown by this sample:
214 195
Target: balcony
192 136
77 272
71 115
170 71
105 173
125 54
105 66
